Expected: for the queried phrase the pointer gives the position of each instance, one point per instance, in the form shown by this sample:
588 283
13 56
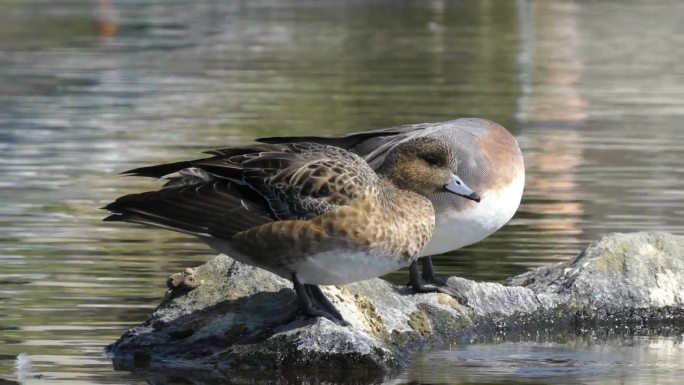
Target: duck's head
424 165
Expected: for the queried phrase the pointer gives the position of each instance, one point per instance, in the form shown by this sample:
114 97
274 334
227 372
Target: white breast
456 229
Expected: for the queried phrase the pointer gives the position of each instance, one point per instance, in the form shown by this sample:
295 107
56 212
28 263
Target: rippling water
579 360
594 92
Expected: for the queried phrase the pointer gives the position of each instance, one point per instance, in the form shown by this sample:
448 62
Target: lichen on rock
420 323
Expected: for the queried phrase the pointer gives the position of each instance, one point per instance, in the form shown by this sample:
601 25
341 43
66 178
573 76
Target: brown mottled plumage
398 229
311 213
487 158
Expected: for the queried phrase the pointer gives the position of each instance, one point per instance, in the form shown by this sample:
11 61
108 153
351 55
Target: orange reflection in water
551 67
106 24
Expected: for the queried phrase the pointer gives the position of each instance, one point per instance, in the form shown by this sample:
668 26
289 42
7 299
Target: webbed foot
314 303
430 283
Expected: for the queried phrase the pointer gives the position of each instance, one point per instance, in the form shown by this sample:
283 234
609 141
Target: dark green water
594 91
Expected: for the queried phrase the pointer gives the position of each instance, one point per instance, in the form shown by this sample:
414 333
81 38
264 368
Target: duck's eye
431 159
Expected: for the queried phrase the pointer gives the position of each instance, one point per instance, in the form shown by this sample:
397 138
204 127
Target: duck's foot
430 283
314 303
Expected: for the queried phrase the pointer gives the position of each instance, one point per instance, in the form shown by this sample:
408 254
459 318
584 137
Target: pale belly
457 229
343 267
326 268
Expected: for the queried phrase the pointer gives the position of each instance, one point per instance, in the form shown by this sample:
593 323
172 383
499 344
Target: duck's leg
435 285
314 303
428 269
324 303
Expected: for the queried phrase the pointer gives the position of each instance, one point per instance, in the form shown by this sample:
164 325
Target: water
579 360
594 92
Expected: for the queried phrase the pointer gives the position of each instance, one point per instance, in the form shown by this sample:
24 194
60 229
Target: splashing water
22 367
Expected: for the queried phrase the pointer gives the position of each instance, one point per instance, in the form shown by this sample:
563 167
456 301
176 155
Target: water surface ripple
592 90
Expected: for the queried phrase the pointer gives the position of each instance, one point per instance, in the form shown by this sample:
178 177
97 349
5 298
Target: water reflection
580 360
88 89
550 64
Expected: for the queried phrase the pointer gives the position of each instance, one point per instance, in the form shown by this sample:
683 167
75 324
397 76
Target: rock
228 318
640 270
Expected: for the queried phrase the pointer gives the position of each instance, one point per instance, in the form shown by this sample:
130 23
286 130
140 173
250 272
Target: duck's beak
457 187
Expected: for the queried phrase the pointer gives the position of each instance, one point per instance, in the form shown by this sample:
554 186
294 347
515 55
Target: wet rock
226 317
641 270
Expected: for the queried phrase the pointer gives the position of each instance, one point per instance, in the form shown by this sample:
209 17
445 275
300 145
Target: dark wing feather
366 144
370 145
246 187
159 170
219 157
347 141
304 180
219 208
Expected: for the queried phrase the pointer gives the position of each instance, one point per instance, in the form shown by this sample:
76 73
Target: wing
240 188
218 208
305 183
370 145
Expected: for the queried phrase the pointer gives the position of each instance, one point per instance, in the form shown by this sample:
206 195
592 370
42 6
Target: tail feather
162 224
216 209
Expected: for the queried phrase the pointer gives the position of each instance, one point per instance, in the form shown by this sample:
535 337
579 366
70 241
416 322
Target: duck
312 213
488 159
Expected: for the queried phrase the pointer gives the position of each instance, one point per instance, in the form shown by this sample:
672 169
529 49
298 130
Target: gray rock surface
226 317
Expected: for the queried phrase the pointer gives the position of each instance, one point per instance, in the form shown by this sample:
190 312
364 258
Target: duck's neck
409 217
396 199
392 174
